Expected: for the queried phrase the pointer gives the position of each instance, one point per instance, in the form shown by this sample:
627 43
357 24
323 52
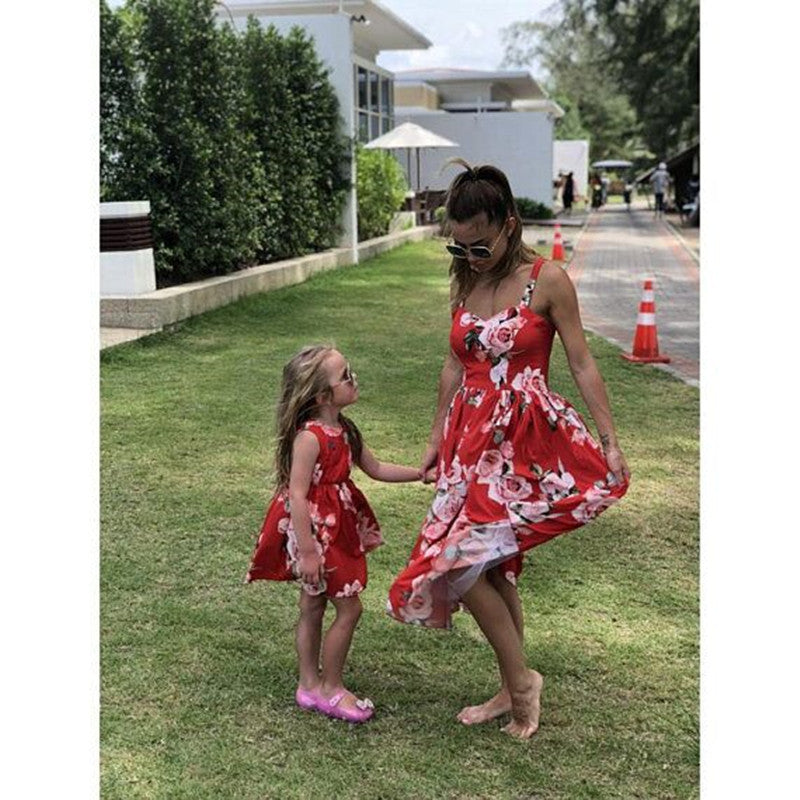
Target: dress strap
526 298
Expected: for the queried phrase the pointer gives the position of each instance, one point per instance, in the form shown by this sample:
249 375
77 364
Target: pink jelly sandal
330 708
306 700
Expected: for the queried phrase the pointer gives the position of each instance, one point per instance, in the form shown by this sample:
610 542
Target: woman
516 465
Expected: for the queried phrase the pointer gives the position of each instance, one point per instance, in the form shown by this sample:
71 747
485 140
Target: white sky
464 33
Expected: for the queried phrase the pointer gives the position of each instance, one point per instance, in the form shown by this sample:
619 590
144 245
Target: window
374 95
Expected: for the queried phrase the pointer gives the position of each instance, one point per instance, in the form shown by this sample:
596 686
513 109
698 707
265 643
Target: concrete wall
519 143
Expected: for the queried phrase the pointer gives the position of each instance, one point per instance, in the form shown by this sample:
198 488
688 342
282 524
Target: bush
235 139
533 209
381 188
293 114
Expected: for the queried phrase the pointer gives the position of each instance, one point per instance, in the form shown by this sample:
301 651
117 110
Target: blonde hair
303 380
483 189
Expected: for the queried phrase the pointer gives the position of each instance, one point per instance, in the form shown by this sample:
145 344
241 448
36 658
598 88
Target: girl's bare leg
308 638
335 647
501 702
493 617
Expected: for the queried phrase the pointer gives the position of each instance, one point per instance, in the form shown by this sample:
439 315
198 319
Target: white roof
384 31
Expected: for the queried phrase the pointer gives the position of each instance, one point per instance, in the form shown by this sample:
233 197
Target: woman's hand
429 458
309 567
429 476
616 463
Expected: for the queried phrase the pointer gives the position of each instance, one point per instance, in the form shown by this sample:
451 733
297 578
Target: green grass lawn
198 670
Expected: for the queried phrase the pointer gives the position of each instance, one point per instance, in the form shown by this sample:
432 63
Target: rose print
419 605
369 533
498 336
350 589
509 488
507 449
498 372
557 485
346 496
489 465
528 513
596 498
446 505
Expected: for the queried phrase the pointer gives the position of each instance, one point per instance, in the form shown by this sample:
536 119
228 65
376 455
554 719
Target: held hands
310 567
427 467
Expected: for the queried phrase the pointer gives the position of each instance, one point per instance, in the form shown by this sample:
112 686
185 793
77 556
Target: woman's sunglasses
481 252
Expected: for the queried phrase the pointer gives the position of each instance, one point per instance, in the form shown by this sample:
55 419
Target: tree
189 155
629 67
657 44
572 47
118 95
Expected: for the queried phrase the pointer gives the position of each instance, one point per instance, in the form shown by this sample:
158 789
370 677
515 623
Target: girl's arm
449 381
382 471
304 455
563 311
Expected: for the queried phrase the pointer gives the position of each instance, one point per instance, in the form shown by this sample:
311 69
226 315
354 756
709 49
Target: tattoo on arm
604 440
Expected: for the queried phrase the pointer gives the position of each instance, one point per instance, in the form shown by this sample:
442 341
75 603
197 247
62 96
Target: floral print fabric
517 466
344 525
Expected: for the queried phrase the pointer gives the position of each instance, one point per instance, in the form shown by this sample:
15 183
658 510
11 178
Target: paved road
615 252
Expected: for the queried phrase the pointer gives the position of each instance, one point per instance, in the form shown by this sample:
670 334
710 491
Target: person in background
660 180
568 193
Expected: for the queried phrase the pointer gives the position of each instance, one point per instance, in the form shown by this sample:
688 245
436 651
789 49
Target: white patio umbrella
612 163
411 137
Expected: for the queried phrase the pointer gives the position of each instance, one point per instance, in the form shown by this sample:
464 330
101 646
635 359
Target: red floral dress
344 526
517 465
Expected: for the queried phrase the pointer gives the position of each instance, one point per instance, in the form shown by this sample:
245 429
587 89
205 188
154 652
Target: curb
152 311
686 246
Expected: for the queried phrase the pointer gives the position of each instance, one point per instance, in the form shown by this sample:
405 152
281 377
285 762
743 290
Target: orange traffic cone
558 244
645 340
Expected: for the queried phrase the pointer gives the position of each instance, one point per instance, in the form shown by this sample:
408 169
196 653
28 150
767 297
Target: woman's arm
384 471
449 381
562 307
304 455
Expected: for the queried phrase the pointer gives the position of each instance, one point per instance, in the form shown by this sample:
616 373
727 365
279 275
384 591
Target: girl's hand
616 463
309 567
429 475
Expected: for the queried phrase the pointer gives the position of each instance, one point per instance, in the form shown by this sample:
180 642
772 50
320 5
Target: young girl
319 525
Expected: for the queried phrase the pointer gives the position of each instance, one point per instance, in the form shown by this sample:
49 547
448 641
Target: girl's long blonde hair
486 189
303 380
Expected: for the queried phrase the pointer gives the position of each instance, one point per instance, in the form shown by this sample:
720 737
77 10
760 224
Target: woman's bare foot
525 709
494 707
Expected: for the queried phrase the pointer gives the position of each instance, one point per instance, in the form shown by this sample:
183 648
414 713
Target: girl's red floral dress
517 465
344 526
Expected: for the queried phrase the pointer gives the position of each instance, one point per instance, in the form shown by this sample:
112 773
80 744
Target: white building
502 118
348 35
572 155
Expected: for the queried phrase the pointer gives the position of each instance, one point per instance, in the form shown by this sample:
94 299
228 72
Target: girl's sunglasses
481 252
348 376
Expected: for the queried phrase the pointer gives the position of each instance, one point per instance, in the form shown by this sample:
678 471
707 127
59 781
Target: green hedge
533 209
234 138
381 187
